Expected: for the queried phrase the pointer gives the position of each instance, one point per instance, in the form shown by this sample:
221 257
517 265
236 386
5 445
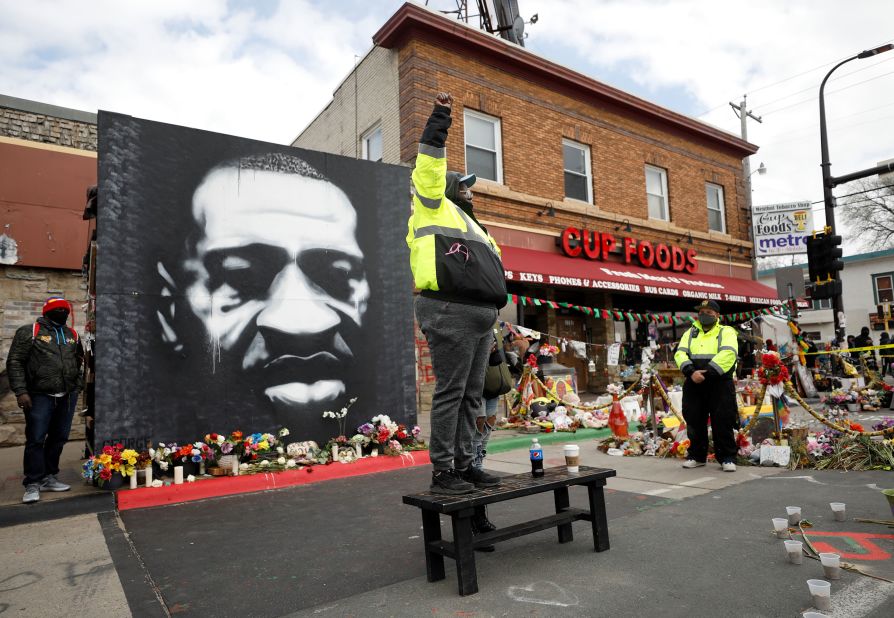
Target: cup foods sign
782 229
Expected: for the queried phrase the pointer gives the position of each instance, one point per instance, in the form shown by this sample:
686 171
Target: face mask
58 316
706 320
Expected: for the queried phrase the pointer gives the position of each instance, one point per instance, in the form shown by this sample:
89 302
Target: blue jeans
482 435
47 425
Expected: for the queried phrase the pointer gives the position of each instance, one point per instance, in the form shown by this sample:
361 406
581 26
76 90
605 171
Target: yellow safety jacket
451 256
715 350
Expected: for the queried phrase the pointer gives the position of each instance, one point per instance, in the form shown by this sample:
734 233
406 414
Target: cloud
201 63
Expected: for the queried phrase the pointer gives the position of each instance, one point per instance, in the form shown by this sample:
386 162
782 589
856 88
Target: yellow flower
263 445
132 460
104 459
128 453
116 466
129 471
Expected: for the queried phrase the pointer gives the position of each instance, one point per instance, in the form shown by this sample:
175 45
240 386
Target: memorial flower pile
114 459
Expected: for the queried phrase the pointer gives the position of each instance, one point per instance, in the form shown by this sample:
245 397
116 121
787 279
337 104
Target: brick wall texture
47 129
377 105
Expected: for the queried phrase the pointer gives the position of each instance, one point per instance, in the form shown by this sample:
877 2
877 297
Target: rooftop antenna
499 17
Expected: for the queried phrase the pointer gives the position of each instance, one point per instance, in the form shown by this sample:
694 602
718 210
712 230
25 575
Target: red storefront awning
529 266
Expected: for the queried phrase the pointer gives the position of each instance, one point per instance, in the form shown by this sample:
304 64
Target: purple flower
366 429
226 448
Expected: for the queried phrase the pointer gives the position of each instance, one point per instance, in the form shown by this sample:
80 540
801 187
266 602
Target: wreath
772 371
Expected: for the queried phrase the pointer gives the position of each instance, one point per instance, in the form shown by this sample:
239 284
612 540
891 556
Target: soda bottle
536 458
617 420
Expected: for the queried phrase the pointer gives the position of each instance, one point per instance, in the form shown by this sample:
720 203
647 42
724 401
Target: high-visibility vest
449 252
715 350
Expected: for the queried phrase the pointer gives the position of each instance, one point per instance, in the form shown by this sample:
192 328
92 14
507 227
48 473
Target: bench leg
597 514
465 555
431 531
562 503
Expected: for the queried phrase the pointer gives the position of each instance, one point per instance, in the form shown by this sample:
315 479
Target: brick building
568 168
47 161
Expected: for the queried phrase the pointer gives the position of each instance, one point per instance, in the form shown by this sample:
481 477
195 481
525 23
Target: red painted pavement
228 485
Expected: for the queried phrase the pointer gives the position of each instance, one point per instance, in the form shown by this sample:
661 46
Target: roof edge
45 109
410 15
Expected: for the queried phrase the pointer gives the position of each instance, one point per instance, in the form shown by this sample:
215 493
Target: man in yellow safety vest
707 357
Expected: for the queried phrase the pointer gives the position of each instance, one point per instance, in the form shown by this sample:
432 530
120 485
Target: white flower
243 466
158 483
265 463
279 450
283 432
353 399
190 479
291 463
161 444
151 453
281 461
220 439
163 465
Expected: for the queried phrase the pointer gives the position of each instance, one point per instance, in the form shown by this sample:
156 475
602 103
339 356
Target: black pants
47 426
714 398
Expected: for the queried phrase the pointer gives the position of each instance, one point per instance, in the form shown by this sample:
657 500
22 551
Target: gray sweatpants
460 338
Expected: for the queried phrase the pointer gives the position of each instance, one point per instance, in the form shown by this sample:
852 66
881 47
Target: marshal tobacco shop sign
782 229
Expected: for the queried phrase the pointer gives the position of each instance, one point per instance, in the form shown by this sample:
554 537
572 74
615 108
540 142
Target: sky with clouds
264 68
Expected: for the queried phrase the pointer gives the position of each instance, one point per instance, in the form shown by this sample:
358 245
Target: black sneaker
479 477
449 482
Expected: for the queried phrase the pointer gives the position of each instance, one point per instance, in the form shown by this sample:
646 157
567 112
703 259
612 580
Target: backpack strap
34 330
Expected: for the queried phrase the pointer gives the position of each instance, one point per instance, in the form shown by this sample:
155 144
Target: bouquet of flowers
113 460
340 416
196 453
772 371
615 389
257 445
379 429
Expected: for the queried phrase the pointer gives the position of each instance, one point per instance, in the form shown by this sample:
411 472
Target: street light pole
828 181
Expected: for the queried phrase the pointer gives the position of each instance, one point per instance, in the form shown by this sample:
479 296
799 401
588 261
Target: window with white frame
483 150
372 144
656 192
716 220
884 288
578 180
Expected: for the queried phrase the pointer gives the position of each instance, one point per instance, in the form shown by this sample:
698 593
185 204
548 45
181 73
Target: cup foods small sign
782 229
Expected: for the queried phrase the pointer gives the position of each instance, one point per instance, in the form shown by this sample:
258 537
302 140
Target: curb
147 497
17 514
511 443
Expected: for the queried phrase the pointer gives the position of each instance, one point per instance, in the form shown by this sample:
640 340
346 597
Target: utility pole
744 114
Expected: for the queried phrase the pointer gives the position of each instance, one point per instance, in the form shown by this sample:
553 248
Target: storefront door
571 327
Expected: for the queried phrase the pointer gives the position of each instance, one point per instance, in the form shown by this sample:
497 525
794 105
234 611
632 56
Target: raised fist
445 99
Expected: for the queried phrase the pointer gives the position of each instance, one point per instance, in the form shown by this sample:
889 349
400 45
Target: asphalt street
683 543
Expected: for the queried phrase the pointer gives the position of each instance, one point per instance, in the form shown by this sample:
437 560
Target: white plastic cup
838 510
780 525
794 550
572 458
831 565
821 593
794 515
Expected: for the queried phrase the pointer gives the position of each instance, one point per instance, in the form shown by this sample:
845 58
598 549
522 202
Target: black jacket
47 362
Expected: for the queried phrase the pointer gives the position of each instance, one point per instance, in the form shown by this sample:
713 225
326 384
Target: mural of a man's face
279 283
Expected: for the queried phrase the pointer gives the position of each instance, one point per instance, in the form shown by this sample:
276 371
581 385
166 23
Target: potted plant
109 469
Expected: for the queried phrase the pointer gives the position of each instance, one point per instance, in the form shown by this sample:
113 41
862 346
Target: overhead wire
812 99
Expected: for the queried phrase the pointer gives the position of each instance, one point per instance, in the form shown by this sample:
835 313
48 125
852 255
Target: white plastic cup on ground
780 525
821 593
572 458
794 550
831 565
794 515
838 510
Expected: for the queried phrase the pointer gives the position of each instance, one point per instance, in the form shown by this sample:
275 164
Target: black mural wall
246 285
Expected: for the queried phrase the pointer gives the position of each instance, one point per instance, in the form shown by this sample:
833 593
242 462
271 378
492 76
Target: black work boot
481 524
479 477
448 482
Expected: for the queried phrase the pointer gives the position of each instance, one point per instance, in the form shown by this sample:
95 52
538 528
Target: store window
372 144
884 288
656 192
716 220
578 179
483 149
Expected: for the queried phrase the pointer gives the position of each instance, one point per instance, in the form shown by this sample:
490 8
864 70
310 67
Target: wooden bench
461 509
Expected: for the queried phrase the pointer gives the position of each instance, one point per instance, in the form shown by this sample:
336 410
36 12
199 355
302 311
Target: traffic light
824 263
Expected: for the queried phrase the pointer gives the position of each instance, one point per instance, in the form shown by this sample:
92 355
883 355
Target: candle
201 468
133 480
358 450
235 466
334 453
149 476
178 475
